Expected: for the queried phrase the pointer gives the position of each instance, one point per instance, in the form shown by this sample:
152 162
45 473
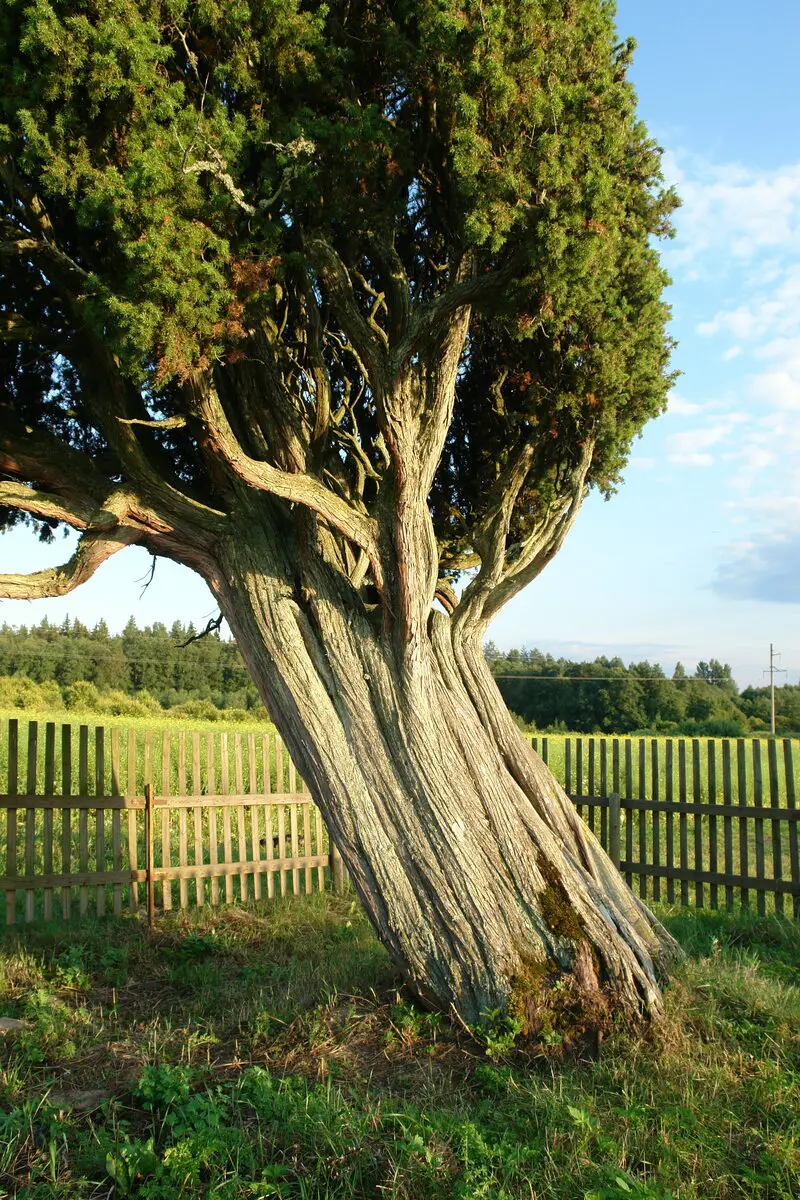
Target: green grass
267 1051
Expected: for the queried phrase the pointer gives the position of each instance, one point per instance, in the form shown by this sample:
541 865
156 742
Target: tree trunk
479 878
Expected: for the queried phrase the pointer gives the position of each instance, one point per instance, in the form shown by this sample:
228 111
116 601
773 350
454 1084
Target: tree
333 305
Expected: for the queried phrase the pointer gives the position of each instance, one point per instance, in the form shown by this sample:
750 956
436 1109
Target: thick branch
40 458
511 571
297 488
93 550
47 506
354 324
433 317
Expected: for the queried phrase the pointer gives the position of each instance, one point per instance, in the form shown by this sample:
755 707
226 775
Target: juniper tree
346 307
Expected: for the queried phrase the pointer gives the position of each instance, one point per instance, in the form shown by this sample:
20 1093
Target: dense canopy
291 199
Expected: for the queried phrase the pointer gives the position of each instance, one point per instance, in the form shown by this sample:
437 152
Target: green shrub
82 696
17 691
200 710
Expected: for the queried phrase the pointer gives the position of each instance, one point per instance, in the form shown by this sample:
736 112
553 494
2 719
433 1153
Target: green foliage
192 158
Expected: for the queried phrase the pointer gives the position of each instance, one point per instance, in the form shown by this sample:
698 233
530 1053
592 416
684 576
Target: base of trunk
477 874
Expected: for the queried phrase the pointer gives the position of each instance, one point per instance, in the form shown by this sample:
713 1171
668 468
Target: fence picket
66 819
683 832
568 766
758 798
774 800
642 792
133 833
116 829
47 816
791 803
592 791
603 792
268 827
244 891
697 796
579 771
741 781
319 848
669 825
281 811
226 815
11 819
295 849
30 818
197 819
183 842
166 789
255 833
83 816
213 851
100 815
711 749
628 813
654 788
727 821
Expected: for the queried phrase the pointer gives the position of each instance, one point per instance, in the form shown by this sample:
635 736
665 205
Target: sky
698 555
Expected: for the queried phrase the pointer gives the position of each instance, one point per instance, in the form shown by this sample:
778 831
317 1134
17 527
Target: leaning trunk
478 876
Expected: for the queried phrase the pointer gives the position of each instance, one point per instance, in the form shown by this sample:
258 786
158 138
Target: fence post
337 869
148 841
613 828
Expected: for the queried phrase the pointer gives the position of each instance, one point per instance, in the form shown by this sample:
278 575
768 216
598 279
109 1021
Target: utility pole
772 672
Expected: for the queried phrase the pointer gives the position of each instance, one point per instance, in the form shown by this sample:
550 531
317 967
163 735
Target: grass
268 1051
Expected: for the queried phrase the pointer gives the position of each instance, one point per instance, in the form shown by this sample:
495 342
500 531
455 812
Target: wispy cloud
678 406
690 448
743 227
766 571
730 207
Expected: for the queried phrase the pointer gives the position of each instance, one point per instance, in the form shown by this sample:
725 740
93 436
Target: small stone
10 1025
81 1101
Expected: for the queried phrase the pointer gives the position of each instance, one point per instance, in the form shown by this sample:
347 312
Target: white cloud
688 459
679 407
689 449
733 352
731 208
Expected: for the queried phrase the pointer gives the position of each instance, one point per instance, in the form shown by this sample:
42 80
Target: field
267 1051
744 858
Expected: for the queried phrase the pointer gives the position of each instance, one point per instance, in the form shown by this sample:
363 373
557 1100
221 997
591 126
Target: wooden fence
714 820
105 820
86 830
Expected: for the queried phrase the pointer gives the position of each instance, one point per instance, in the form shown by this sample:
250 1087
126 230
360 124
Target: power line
619 679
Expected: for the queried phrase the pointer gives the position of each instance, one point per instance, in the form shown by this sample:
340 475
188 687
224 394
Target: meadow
269 1051
87 754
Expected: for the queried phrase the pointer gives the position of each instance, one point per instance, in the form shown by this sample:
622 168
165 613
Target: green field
118 755
267 1052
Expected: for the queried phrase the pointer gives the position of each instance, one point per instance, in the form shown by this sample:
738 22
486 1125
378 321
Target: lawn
269 1051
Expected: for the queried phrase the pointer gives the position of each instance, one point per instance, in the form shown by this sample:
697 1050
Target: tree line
604 695
145 670
131 673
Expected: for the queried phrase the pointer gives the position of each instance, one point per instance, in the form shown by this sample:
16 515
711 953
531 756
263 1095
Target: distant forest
606 696
146 670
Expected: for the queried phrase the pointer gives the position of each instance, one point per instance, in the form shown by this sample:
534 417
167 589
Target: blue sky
699 553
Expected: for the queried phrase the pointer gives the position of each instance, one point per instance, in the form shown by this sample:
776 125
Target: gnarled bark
480 879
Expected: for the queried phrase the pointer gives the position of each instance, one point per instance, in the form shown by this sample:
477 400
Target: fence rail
84 826
74 842
713 820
